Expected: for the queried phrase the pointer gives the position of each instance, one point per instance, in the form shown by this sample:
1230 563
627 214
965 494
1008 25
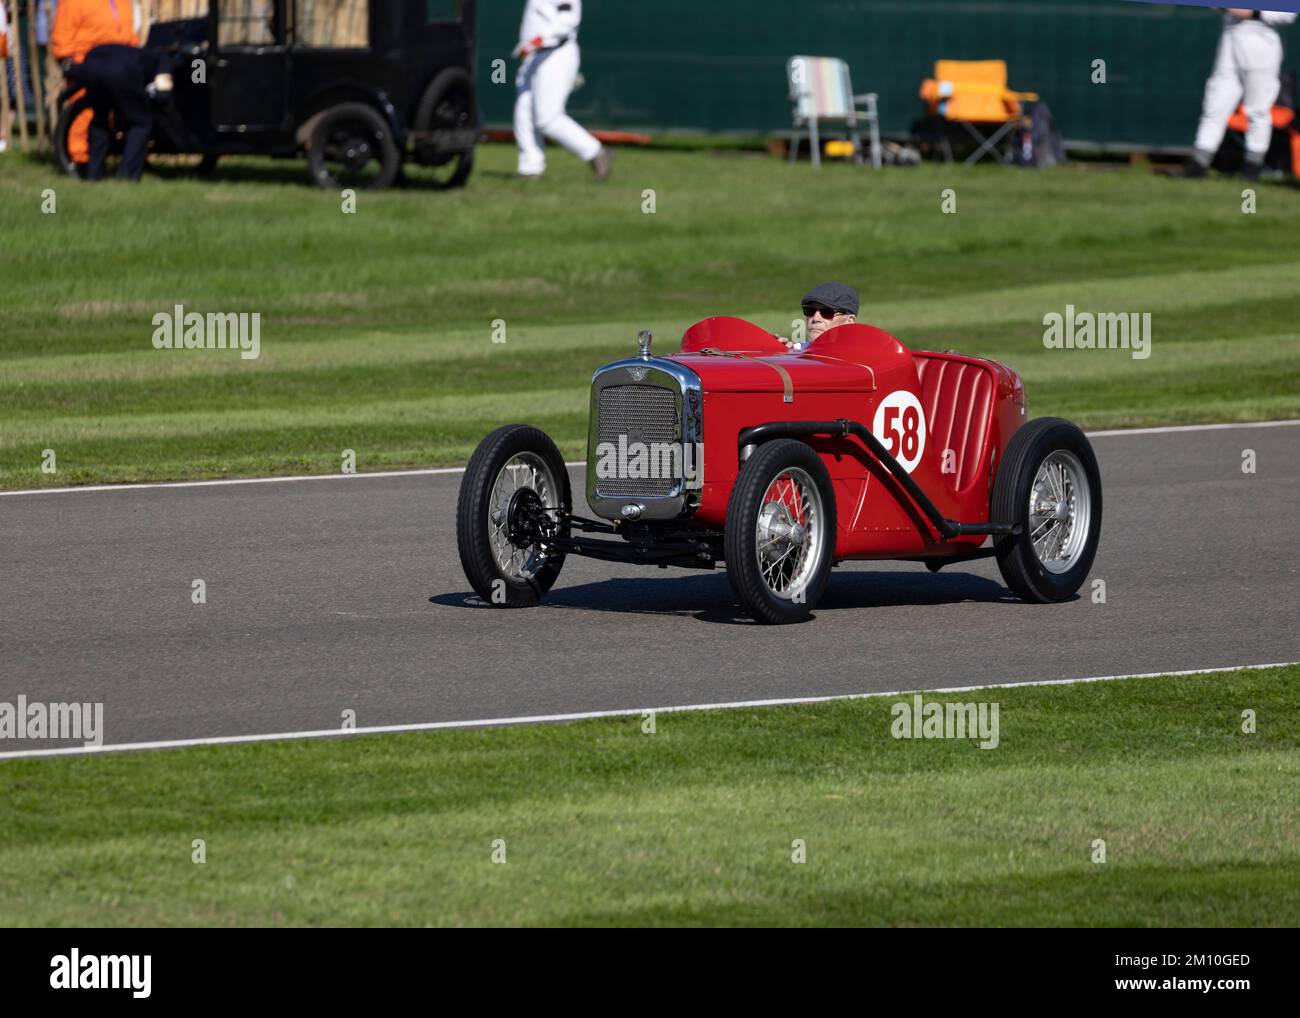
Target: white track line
429 726
460 470
1168 429
244 480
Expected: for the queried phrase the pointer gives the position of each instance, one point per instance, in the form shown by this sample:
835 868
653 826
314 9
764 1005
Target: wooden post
4 92
35 70
53 78
16 46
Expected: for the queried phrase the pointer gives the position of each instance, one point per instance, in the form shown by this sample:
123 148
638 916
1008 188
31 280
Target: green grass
376 327
694 824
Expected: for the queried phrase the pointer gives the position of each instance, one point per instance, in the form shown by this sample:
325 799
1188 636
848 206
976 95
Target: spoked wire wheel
780 534
523 470
787 537
1059 507
1049 486
515 480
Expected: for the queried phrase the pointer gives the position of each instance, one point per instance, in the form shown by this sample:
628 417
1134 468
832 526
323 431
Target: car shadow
707 597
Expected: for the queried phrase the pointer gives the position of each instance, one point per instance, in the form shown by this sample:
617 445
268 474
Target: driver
825 307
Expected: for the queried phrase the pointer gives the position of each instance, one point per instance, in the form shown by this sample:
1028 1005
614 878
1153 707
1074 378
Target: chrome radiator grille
638 413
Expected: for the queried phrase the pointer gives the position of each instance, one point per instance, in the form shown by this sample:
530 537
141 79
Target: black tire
448 103
351 146
208 165
749 506
68 113
1028 576
474 529
454 173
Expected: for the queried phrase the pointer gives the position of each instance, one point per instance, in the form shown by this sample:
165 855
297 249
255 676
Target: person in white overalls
548 44
1247 70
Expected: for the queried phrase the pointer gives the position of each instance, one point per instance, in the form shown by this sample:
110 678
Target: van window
333 24
246 23
441 10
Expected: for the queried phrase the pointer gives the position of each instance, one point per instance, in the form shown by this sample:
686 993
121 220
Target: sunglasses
813 310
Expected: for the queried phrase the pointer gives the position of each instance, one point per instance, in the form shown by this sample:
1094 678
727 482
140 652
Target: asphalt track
346 594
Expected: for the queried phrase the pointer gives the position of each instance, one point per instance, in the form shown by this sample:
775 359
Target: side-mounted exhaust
842 427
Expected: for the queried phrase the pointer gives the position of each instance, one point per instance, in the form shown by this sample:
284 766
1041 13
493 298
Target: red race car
782 464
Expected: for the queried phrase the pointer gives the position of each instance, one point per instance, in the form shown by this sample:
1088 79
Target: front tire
69 112
780 534
1049 483
503 573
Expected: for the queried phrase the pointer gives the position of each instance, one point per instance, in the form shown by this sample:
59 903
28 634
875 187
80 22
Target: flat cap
836 296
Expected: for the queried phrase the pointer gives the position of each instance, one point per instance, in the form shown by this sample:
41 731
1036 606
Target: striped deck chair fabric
821 89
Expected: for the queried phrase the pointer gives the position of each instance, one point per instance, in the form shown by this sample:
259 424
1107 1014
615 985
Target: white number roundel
900 426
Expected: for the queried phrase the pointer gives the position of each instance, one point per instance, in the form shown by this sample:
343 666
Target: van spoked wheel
515 492
1048 483
446 118
780 535
351 145
72 110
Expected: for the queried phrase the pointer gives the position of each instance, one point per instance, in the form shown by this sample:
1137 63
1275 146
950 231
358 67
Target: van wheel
447 109
352 146
68 114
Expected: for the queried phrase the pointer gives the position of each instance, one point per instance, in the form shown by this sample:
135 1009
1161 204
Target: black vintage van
357 86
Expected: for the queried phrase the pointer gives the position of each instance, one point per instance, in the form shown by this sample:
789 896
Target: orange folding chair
974 93
1284 120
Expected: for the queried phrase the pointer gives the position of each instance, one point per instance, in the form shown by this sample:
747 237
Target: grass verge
694 824
377 328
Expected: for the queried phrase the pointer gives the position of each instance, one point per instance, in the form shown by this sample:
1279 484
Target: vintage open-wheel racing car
782 464
357 86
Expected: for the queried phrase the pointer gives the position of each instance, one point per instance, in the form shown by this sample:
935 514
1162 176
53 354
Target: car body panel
945 416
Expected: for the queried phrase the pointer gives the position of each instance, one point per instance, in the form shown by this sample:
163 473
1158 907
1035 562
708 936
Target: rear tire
780 533
1048 483
504 574
351 146
448 104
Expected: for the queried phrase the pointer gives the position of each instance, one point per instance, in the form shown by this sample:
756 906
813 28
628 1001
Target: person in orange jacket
96 43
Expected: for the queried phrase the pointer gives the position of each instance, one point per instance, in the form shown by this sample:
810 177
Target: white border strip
1171 428
430 726
243 480
460 470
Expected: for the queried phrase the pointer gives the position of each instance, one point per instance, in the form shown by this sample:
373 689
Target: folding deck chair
974 93
820 90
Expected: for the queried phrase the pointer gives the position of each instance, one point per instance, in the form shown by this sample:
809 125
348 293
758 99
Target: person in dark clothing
96 43
115 77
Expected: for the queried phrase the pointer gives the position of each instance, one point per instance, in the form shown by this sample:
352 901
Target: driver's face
817 322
